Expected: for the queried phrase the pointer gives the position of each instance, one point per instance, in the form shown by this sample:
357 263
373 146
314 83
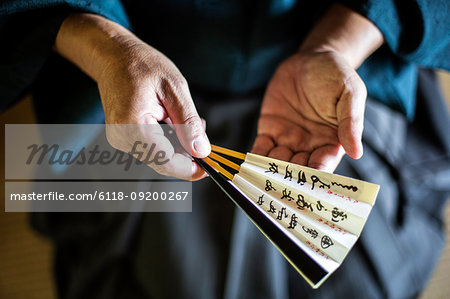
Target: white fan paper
322 213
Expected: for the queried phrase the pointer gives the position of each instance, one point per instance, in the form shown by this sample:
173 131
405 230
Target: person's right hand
138 85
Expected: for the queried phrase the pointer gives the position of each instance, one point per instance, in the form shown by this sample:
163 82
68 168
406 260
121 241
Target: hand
313 108
312 111
138 85
146 88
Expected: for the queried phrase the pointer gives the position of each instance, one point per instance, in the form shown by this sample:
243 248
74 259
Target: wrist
344 32
93 43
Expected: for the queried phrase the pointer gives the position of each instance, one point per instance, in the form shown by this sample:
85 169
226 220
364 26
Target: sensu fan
313 217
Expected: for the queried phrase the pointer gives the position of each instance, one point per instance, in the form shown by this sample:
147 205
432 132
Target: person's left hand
312 111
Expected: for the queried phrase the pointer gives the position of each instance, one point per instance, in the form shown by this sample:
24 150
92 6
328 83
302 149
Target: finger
262 146
168 121
281 153
171 133
197 172
203 123
350 115
178 166
181 109
149 145
300 158
326 158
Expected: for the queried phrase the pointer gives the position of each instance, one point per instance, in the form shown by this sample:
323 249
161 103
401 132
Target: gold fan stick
222 160
227 152
218 168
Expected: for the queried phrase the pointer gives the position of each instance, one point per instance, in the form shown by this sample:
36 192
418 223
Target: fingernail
201 146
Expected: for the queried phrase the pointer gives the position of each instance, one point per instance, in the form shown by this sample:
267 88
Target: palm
306 116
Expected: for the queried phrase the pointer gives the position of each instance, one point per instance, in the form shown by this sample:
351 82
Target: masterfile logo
95 168
85 152
54 154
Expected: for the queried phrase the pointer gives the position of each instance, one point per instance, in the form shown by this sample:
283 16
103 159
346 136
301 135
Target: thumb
350 116
188 124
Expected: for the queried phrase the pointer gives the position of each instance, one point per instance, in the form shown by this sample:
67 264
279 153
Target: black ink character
348 187
310 231
260 200
315 180
273 168
326 242
287 195
271 208
302 204
269 186
293 222
288 174
280 214
336 213
319 206
301 178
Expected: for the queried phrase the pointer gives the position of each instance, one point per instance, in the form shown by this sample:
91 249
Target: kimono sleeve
415 30
27 32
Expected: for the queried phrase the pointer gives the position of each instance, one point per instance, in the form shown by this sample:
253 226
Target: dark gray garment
216 252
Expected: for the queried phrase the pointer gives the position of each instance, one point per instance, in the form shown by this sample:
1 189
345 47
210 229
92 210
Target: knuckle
172 87
193 124
355 85
177 80
192 119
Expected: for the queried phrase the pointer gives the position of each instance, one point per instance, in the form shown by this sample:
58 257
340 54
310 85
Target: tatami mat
25 257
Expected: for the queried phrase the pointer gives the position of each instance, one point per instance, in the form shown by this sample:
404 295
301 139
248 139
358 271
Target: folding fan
312 217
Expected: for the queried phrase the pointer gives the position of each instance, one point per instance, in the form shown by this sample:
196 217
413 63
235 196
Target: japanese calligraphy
269 186
310 231
293 222
319 206
321 213
280 214
271 208
326 242
273 168
315 180
338 215
302 204
301 178
349 187
287 195
288 174
260 200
